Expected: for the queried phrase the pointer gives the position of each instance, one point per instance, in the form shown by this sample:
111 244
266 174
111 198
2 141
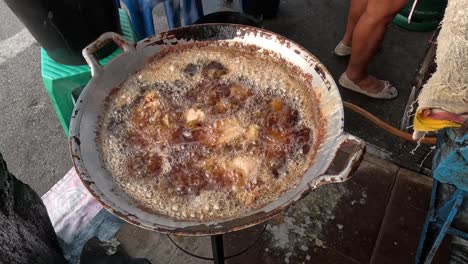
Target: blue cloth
141 14
103 226
451 159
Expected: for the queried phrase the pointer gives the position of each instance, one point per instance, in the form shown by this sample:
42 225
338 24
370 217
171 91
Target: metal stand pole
217 245
218 249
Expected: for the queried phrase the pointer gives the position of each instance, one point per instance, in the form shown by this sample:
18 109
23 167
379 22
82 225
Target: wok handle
355 148
88 51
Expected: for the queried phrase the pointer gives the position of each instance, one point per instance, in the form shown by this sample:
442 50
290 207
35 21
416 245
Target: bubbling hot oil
197 136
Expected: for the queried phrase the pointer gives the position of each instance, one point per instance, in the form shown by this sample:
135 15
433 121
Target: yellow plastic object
424 123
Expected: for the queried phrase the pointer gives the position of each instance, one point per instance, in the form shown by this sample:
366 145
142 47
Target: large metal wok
91 103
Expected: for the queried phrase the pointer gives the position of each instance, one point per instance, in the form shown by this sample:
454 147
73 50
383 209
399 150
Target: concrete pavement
31 138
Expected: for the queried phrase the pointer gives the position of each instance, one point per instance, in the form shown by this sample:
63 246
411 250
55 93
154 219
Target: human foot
342 49
369 86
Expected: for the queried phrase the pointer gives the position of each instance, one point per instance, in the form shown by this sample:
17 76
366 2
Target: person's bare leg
367 36
356 9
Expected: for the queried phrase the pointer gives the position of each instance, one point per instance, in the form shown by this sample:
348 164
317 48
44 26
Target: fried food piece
187 179
151 101
233 174
191 69
214 70
276 105
228 180
220 132
213 91
220 107
239 92
194 116
302 137
147 112
145 165
228 130
275 149
252 133
274 136
247 166
145 118
280 114
165 120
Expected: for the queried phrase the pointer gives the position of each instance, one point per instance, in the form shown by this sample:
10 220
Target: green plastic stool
64 83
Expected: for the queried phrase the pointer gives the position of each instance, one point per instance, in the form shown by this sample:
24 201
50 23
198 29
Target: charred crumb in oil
117 120
138 100
294 117
114 91
243 79
191 69
181 85
306 149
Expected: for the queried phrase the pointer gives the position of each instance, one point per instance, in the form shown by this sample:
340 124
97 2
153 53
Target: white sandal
342 50
388 92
